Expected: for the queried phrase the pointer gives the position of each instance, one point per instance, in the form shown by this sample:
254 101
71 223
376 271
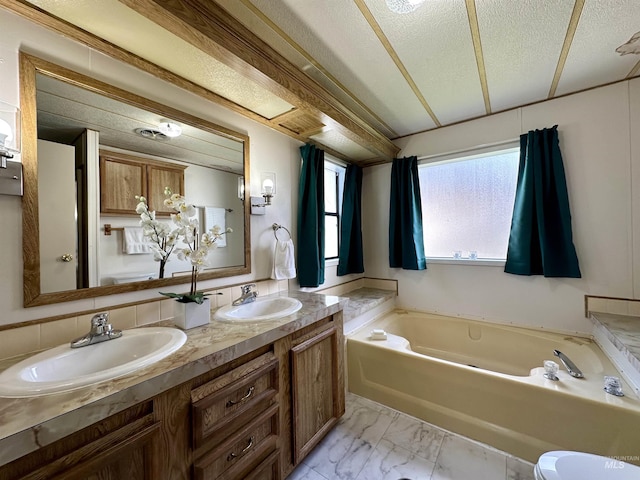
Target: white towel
133 242
215 216
284 265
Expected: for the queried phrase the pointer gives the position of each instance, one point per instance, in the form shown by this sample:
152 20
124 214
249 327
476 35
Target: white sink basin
260 309
63 368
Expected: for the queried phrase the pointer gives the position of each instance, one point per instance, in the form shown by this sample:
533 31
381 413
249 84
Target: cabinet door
126 452
120 181
160 177
316 381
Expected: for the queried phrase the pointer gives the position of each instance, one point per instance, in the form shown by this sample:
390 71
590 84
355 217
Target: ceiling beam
210 28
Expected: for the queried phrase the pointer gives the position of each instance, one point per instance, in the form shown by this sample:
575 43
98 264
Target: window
467 204
333 189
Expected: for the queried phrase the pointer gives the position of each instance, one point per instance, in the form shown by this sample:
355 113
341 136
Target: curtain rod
470 149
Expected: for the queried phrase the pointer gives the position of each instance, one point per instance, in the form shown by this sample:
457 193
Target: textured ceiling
446 62
449 60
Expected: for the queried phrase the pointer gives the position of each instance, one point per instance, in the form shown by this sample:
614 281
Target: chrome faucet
101 330
568 364
247 296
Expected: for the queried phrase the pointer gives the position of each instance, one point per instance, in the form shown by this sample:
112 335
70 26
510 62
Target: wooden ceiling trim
209 27
472 14
267 21
566 46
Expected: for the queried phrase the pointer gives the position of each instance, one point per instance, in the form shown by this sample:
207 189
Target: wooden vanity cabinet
123 176
254 418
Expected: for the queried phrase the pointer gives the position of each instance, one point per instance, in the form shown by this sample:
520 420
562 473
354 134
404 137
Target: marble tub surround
373 441
619 338
34 337
368 298
29 423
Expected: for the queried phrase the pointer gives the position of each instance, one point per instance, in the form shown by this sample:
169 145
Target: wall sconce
268 186
10 172
241 188
9 132
268 182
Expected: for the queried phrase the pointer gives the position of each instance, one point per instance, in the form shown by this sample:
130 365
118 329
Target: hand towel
133 242
215 216
284 265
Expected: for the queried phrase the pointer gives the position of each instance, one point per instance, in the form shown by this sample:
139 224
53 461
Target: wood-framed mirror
87 149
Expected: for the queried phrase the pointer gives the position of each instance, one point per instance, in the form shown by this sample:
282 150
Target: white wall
270 151
598 152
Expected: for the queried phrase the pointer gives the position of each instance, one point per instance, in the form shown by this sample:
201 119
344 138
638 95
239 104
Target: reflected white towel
284 265
133 242
216 216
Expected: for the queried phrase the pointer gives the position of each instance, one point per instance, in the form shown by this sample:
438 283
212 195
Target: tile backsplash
618 306
31 338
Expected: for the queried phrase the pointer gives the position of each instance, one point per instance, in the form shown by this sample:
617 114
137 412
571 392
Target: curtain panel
406 243
310 254
541 240
350 258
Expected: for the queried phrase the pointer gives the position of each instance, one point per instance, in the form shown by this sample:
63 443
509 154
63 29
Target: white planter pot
191 315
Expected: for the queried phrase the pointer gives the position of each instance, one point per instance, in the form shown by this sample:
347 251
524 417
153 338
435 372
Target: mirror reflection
95 152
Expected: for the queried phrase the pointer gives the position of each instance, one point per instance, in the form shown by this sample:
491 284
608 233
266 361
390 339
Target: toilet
565 465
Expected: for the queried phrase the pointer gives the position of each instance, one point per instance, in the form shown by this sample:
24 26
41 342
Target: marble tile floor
374 442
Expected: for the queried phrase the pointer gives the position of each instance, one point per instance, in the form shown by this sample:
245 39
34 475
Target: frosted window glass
331 237
467 206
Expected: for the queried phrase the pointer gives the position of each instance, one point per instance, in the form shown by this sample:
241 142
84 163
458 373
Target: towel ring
277 227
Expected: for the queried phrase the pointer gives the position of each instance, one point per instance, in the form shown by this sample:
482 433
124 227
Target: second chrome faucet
248 295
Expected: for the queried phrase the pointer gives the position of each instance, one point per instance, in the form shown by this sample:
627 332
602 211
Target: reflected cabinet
122 177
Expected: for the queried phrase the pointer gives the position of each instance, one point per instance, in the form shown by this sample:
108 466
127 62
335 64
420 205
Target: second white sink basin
63 368
261 309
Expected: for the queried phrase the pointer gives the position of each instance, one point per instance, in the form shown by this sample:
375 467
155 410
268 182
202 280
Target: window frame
340 170
464 155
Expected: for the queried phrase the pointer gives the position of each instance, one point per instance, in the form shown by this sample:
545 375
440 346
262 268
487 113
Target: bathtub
484 381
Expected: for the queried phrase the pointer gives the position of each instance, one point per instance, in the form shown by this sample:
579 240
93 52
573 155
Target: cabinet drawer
243 452
230 401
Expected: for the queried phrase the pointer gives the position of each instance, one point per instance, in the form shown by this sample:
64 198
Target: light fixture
9 132
268 182
403 6
268 186
170 129
241 188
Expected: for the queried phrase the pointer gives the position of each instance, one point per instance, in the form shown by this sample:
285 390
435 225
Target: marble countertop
26 424
624 332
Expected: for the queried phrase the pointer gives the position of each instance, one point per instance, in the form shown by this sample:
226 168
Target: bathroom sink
260 309
63 368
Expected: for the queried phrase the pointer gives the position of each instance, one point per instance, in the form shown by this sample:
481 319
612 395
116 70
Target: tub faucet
247 296
101 331
568 364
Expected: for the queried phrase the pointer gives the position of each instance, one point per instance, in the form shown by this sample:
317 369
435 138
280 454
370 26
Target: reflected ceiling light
170 129
403 6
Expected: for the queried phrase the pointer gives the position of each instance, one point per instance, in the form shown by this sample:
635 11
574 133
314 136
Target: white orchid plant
164 240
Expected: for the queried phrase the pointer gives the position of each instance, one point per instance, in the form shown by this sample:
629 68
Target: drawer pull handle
231 403
233 455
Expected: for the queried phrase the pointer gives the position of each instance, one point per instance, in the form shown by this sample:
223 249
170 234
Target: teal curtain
541 241
310 253
350 257
406 244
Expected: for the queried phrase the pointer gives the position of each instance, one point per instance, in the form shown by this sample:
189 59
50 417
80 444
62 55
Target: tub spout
568 364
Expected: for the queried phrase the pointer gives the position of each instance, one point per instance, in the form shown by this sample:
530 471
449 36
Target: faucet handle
100 319
247 288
